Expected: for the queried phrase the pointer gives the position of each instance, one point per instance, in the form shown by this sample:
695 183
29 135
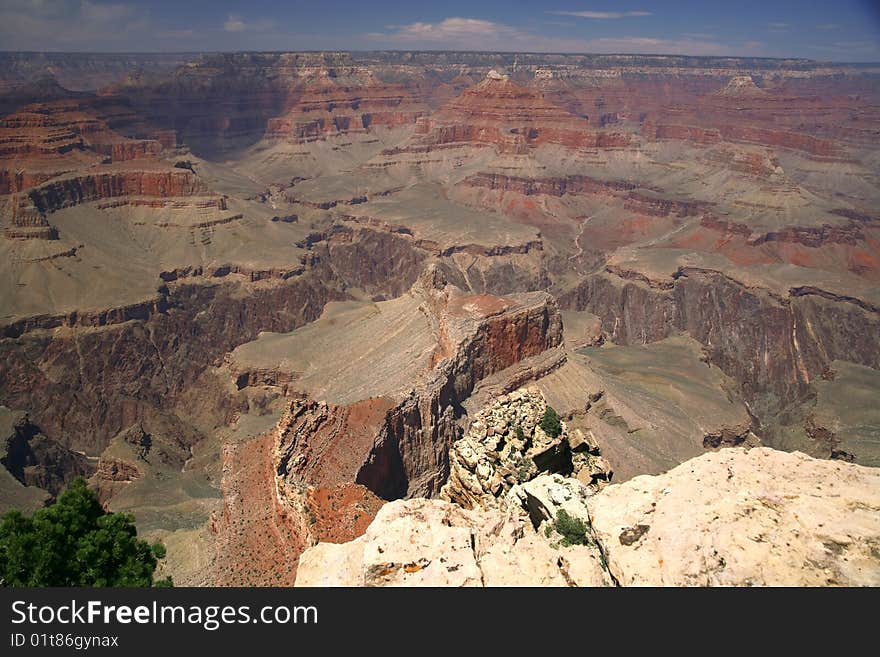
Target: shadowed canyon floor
254 297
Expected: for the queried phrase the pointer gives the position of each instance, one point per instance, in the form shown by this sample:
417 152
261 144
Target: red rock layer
53 129
691 133
99 185
817 125
512 118
400 447
327 109
112 476
843 247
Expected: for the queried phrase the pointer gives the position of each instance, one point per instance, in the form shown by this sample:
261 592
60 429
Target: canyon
269 304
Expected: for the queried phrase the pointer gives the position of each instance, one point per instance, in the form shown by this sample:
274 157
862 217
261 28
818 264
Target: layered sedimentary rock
125 351
334 107
500 113
71 190
396 442
62 153
730 518
648 407
225 99
743 112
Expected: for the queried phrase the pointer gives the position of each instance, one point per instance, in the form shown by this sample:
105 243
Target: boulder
740 517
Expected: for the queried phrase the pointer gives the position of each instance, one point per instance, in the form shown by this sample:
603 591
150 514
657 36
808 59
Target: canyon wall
766 342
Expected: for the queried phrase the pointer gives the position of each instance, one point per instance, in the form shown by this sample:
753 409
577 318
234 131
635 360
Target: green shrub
518 431
573 530
551 422
74 542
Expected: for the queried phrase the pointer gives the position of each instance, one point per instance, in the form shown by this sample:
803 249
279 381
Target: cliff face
111 184
547 186
768 343
400 447
729 518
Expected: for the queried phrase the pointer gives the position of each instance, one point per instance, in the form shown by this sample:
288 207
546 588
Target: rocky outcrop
434 543
112 476
730 518
744 518
742 86
26 222
505 445
36 460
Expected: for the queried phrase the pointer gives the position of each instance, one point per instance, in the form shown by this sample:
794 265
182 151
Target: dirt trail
577 243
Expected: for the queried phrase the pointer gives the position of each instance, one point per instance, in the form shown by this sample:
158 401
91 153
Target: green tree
74 542
551 423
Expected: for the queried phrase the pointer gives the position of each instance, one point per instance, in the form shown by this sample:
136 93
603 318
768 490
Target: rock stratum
259 298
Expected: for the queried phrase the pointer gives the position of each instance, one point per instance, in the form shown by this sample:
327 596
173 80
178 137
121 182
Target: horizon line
438 50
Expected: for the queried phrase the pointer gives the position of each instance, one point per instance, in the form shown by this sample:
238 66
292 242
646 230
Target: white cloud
778 27
69 24
236 23
477 34
450 30
602 15
828 26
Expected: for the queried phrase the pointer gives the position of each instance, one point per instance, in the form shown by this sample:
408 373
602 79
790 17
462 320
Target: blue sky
844 30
